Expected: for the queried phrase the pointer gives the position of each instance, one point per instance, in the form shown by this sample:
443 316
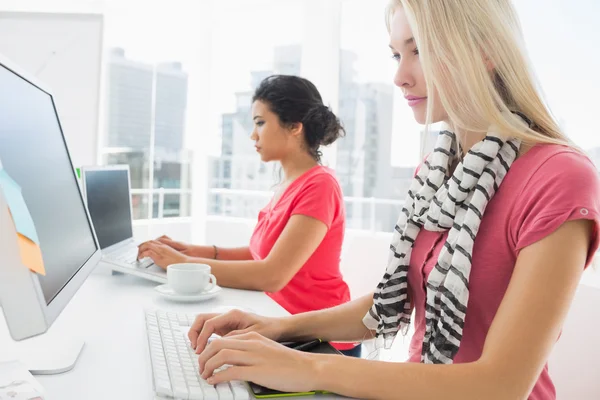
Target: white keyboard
129 257
175 363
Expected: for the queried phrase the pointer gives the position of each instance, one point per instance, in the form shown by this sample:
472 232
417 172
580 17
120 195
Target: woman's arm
221 253
518 343
342 323
300 238
517 346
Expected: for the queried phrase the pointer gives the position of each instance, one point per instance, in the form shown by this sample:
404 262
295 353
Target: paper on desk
18 208
16 383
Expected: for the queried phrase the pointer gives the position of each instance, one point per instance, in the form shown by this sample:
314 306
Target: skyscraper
363 157
132 87
129 102
171 106
239 167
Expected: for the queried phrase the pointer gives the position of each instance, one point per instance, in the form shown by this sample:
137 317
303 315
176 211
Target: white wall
228 232
177 228
574 361
64 51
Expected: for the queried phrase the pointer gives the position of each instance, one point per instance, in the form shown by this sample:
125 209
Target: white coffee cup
188 278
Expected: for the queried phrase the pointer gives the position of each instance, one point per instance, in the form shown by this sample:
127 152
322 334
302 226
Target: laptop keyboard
129 257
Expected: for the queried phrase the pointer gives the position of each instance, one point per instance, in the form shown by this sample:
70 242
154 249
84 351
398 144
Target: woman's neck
296 165
468 139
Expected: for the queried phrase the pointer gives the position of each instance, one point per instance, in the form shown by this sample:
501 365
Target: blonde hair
458 40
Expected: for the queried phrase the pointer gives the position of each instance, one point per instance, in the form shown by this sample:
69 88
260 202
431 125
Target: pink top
319 283
544 188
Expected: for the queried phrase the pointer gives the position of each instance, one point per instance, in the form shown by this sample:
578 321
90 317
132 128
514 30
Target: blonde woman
499 224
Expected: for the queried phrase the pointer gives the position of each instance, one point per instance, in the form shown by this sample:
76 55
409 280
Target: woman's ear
296 128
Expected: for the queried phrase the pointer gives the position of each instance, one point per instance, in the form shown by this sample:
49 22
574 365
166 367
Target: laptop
108 198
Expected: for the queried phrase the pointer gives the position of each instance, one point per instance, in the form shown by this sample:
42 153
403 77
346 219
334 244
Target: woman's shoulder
550 179
555 184
545 164
321 176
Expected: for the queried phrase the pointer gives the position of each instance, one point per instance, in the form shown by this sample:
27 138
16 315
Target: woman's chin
420 117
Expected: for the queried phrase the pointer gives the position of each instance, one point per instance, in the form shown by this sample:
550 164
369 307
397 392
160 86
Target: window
238 64
570 80
146 102
381 138
149 96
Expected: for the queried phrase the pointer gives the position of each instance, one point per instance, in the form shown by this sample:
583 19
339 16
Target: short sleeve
565 187
320 198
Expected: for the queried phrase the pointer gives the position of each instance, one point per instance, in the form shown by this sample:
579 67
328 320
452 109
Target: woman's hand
235 322
188 249
174 244
254 358
162 254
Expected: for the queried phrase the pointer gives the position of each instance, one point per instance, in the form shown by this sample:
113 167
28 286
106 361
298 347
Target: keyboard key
195 393
180 392
175 364
224 391
163 387
210 393
240 392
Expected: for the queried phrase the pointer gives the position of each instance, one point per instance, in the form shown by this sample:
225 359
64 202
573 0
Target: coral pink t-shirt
319 283
544 188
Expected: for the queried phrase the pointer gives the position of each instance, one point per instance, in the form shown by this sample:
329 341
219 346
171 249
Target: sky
562 37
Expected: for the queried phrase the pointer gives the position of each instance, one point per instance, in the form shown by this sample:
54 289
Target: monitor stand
53 352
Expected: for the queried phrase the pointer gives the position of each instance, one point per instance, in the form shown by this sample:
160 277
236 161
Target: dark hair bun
294 99
322 127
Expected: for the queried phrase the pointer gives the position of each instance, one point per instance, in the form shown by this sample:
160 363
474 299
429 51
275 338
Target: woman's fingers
197 327
234 373
227 357
218 345
239 332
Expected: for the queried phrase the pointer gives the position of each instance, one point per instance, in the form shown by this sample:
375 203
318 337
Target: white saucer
168 293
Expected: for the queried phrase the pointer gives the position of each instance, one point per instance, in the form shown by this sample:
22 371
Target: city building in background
239 167
145 125
364 166
146 109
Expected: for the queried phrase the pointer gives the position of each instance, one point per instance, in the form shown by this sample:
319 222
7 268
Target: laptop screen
108 200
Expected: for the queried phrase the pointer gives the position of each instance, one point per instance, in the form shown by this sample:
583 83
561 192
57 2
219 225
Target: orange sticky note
31 255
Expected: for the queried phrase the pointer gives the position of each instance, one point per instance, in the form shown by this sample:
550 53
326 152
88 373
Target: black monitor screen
107 194
34 154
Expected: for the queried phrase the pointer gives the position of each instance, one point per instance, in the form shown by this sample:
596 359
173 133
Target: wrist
286 328
201 252
319 370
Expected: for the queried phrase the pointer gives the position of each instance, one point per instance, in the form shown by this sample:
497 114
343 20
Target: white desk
108 312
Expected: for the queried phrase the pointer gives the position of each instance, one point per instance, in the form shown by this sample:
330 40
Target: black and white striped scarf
438 202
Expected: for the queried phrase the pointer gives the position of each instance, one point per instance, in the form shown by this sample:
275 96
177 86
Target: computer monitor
34 153
108 198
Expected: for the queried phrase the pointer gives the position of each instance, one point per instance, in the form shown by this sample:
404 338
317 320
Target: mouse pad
262 392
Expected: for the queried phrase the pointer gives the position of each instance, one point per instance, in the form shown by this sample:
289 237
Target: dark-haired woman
294 252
